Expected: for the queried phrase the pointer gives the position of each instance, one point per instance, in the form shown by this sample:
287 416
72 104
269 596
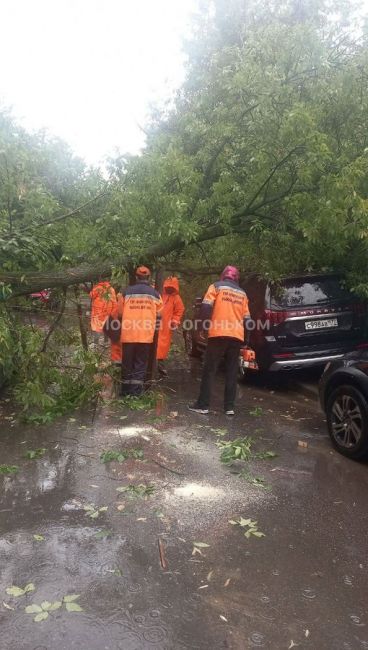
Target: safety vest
229 305
140 306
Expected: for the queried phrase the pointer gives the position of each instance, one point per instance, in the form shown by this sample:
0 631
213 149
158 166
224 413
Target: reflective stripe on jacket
226 305
139 306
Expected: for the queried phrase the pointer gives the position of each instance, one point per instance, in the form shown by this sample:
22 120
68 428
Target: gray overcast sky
88 69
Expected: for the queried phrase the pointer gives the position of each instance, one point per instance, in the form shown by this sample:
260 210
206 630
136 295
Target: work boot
198 409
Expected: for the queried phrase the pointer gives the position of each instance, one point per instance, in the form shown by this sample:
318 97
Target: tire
190 346
347 421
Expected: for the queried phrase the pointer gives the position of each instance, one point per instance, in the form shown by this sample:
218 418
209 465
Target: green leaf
73 607
38 538
71 598
9 469
41 617
56 605
103 509
33 609
15 591
29 587
94 515
46 605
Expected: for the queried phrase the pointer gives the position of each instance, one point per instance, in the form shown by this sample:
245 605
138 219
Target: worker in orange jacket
103 298
172 313
224 314
140 306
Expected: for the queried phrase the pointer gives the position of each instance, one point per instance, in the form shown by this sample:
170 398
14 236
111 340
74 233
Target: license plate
320 324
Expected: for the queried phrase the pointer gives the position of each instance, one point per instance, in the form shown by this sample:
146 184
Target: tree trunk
82 329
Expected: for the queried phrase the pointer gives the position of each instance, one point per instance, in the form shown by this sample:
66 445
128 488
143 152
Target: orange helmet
143 272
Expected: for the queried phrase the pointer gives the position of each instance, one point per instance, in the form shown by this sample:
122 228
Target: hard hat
143 272
230 273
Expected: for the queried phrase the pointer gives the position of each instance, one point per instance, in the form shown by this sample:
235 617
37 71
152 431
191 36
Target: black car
344 398
299 322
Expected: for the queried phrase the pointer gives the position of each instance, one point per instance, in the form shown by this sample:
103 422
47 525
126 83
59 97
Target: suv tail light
275 317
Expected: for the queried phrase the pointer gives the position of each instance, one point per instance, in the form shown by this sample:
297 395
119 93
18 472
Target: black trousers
219 347
134 367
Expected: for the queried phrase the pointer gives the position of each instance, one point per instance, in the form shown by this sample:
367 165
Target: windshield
302 293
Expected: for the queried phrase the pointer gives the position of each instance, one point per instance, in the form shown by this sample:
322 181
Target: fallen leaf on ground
73 607
303 444
201 544
197 550
38 538
209 576
203 587
71 598
227 582
223 618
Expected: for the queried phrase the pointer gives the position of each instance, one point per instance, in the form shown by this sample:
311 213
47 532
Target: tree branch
34 226
54 324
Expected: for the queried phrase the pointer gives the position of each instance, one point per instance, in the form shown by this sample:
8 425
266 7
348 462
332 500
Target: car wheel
347 420
190 346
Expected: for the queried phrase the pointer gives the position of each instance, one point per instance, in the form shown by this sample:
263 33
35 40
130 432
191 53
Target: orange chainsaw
247 359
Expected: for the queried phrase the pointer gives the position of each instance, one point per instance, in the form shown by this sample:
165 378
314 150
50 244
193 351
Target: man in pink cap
224 315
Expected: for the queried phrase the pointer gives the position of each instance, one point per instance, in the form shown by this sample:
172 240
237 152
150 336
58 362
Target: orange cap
143 271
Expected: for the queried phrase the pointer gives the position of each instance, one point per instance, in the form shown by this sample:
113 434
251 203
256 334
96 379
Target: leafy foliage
35 453
241 449
9 469
261 159
121 456
140 490
93 512
19 591
250 526
238 449
43 610
145 402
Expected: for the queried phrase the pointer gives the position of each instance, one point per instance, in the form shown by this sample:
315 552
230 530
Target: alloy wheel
346 421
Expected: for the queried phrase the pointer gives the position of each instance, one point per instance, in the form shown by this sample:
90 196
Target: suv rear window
303 293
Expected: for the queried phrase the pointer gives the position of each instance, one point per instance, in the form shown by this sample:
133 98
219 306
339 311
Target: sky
87 70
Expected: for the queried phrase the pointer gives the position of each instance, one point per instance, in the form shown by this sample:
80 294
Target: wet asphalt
142 579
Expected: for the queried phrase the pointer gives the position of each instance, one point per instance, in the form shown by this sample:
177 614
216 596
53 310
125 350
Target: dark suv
299 322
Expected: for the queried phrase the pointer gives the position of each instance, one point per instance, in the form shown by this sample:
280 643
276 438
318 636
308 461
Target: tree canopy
260 159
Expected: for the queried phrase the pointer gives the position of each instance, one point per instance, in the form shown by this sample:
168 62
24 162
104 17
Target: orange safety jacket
140 307
226 305
103 298
172 313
